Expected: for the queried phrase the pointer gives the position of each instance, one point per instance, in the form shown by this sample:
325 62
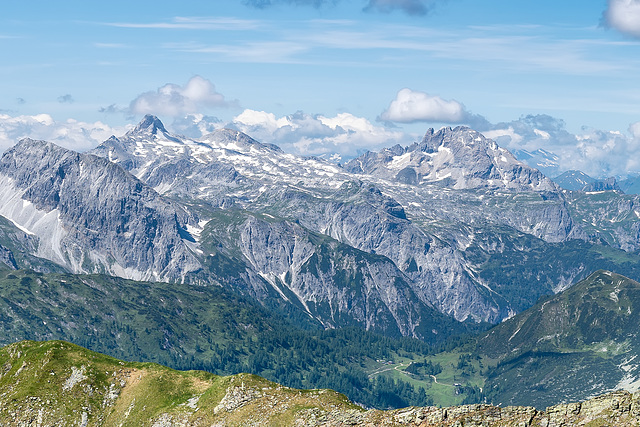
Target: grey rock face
361 216
332 282
609 184
458 158
92 216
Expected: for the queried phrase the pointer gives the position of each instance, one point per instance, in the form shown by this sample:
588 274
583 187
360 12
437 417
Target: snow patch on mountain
46 225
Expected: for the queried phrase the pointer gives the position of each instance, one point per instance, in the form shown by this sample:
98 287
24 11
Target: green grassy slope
210 328
576 344
57 383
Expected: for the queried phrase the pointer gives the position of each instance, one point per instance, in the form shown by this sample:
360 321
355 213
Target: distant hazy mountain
630 185
573 180
579 181
546 162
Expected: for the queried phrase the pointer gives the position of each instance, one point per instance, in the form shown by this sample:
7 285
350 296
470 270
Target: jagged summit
150 124
30 144
460 158
447 137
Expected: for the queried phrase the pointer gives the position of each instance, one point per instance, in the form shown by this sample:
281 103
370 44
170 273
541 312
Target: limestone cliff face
90 215
361 216
332 282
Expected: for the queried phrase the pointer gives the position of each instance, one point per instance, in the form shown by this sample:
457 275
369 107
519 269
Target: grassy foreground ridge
55 383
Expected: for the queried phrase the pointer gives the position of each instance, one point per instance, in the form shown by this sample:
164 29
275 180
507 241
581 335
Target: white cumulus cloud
624 16
72 134
174 100
411 106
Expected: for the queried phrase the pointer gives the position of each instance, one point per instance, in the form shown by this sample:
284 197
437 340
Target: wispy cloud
518 48
259 52
113 109
262 4
193 23
410 7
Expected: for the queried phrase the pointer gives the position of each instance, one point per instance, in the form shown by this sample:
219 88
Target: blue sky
323 76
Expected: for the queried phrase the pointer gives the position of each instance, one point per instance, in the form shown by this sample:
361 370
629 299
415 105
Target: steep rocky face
7 258
607 217
458 158
330 281
89 215
609 184
361 216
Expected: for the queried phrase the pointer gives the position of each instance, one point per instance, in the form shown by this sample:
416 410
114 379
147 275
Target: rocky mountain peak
150 124
64 198
459 158
31 145
458 136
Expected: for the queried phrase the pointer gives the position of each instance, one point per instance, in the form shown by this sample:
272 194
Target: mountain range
421 224
440 238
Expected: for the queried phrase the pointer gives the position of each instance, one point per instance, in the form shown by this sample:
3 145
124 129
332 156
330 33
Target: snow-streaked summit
458 158
222 164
